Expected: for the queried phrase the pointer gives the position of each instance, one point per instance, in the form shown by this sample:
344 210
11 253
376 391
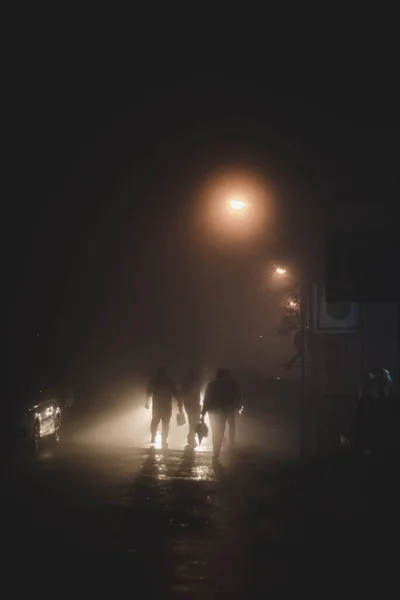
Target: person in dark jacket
191 389
221 399
161 389
371 419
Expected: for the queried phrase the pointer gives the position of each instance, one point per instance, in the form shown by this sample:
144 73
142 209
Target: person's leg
190 435
217 422
232 428
166 417
189 420
154 424
193 419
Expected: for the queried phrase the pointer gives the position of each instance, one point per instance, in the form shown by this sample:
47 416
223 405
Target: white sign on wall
332 317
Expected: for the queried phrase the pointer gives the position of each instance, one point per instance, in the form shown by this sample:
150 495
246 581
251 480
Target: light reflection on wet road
164 509
166 523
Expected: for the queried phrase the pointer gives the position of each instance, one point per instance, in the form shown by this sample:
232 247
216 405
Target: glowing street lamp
280 270
237 204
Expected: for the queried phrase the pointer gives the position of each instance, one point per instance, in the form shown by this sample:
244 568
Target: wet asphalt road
163 523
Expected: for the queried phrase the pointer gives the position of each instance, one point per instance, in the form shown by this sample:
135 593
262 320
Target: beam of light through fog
128 427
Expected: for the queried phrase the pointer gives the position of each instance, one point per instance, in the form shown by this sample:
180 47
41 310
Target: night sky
106 263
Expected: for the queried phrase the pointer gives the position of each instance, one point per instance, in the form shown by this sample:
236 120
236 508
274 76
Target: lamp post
304 317
238 207
281 272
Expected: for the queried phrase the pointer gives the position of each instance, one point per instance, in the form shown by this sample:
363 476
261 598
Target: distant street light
234 206
280 270
237 204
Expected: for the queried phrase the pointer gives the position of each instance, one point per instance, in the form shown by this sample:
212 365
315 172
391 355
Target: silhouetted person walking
221 399
191 388
161 389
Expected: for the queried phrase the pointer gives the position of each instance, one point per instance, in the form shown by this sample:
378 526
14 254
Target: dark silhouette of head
192 374
162 371
223 373
382 381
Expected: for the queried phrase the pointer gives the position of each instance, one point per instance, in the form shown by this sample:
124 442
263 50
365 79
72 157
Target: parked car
40 418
